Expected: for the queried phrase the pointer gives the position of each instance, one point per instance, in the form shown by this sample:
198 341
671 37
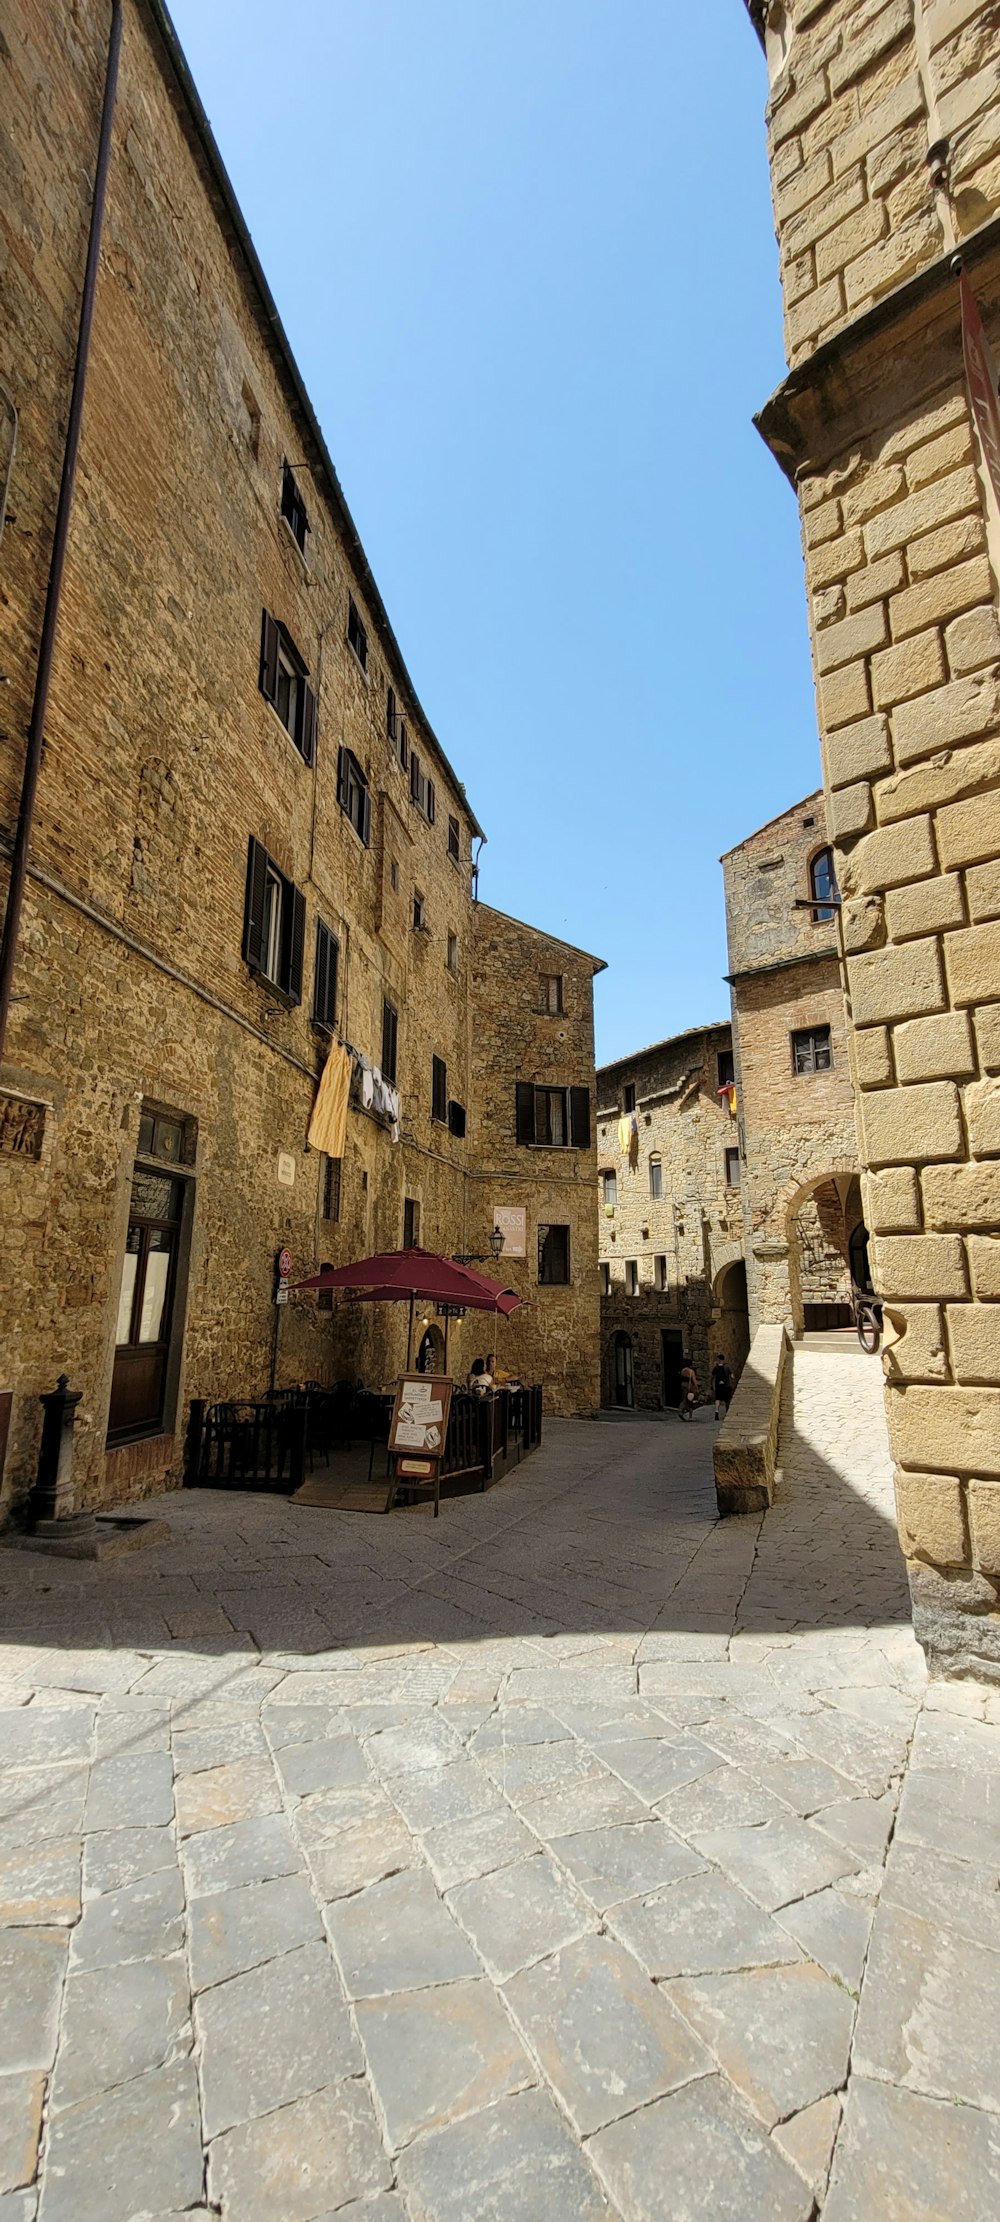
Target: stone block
982 888
802 182
501 2161
807 319
745 1448
850 811
120 2022
612 1864
398 1936
130 1790
912 1125
854 637
973 640
969 832
131 1923
825 208
984 1522
909 668
835 559
896 983
933 600
875 487
948 775
929 906
987 1023
782 2034
862 923
890 857
305 2160
905 249
931 1513
974 963
699 2136
959 711
607 2039
984 1264
936 1048
937 456
828 605
941 1429
273 2035
925 2014
935 505
518 1915
982 1111
437 2054
951 544
922 2137
872 1057
915 1266
21 2098
962 1196
703 1925
974 1335
32 1972
845 695
892 1201
914 1344
876 580
234 1930
130 2151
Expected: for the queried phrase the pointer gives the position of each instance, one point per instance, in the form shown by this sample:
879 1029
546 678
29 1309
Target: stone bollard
51 1498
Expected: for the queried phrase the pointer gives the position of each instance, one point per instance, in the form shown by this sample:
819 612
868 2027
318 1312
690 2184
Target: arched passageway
827 1241
731 1330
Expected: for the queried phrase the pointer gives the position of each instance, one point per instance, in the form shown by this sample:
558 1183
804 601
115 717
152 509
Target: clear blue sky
524 253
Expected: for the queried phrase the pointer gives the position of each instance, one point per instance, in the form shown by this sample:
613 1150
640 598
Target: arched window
823 885
656 1177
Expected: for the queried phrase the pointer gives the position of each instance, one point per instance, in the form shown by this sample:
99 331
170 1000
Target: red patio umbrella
395 1275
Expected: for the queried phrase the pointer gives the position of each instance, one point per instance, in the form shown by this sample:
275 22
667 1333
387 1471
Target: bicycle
867 1318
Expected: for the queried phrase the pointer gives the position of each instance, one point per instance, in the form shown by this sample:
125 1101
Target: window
439 1089
631 1277
151 1293
454 839
331 1188
660 1273
390 1029
605 1280
811 1050
551 993
419 918
357 637
628 1096
283 684
656 1179
411 1223
726 1069
422 789
293 508
456 1120
556 1118
395 728
353 795
324 1010
453 952
394 875
609 1190
823 886
274 918
324 1296
553 1256
733 1169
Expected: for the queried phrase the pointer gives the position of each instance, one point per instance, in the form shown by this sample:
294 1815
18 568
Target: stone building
804 1233
248 842
884 135
670 1220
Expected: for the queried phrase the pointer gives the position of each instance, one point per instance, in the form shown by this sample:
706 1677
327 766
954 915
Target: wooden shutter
307 714
414 775
296 942
253 911
269 657
343 777
439 1089
453 837
325 977
456 1120
431 802
579 1118
365 828
389 1023
525 1109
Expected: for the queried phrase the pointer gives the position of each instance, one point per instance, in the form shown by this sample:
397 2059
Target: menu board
420 1418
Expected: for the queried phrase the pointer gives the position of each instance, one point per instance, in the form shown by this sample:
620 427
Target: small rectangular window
556 1118
357 637
811 1050
419 916
324 1008
553 1256
354 796
660 1273
628 1096
726 1068
733 1173
656 1179
411 1223
331 1188
453 952
605 1280
390 1028
439 1090
551 993
283 683
293 508
394 875
391 716
609 1190
454 839
273 924
631 1277
456 1120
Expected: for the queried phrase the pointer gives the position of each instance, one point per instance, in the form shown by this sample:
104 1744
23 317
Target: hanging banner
981 374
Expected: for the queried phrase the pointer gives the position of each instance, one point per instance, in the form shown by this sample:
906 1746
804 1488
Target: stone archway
821 1217
731 1323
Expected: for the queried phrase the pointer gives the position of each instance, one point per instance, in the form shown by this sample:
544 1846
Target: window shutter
296 941
404 747
269 657
579 1118
253 912
525 1101
325 977
414 775
365 828
307 714
343 778
456 1120
431 802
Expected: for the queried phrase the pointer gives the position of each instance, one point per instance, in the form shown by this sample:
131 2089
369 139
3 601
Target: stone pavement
525 1866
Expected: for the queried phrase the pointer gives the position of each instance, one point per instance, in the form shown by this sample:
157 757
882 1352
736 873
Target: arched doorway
624 1372
858 1254
733 1326
826 1236
430 1356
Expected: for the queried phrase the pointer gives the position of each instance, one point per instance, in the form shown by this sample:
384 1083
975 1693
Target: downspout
53 596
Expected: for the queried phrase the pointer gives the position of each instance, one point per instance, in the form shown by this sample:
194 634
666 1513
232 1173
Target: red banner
981 374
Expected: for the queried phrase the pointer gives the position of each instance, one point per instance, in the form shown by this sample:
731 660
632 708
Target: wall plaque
22 1127
513 1225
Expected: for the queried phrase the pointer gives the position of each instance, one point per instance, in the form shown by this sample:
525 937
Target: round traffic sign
284 1263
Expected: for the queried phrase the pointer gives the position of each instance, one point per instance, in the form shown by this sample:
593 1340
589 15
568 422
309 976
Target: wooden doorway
624 1371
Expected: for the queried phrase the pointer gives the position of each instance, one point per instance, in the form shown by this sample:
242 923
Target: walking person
722 1387
689 1390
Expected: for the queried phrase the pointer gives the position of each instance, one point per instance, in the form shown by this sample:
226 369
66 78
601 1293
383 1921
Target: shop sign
512 1223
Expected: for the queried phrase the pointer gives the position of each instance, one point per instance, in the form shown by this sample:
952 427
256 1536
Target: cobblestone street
526 1866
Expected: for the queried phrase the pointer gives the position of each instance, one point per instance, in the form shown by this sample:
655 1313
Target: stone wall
163 758
694 1229
901 539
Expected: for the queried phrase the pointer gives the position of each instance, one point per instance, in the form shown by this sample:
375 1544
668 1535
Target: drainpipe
36 728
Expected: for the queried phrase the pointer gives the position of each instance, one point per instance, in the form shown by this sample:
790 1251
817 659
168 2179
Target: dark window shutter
404 747
414 774
365 828
325 977
269 656
389 1025
307 742
431 802
296 942
343 778
525 1111
253 912
439 1089
456 1119
579 1118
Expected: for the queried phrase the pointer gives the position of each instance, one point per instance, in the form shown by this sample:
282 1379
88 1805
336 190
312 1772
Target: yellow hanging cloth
328 1124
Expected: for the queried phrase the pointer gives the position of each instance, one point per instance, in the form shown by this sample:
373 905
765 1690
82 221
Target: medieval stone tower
884 133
